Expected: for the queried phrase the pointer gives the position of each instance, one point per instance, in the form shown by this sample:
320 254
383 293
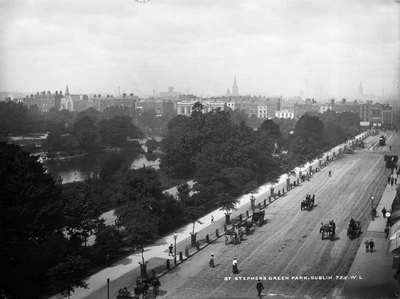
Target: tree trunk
143 269
227 218
193 239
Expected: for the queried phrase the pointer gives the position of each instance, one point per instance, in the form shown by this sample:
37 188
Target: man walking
371 246
170 250
330 173
366 245
384 212
259 287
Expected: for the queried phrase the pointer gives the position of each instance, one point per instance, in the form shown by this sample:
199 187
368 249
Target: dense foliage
224 156
32 222
221 154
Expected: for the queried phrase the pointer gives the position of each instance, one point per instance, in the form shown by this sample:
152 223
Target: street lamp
372 202
175 237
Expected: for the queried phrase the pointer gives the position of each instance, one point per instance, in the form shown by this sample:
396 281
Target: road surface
288 251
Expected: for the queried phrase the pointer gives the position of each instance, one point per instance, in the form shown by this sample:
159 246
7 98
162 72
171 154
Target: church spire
235 89
66 91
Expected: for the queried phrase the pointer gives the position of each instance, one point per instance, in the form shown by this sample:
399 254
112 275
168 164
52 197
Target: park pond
79 168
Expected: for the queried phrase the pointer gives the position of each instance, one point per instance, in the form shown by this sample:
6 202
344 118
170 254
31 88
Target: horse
142 287
327 229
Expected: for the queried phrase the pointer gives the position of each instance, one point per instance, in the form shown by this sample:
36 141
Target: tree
31 223
116 130
184 193
140 225
86 133
68 275
252 187
110 168
80 211
108 239
193 213
227 204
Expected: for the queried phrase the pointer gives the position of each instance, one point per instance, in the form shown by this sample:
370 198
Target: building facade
185 107
43 100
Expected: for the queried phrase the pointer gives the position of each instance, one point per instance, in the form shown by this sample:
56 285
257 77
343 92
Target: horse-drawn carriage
246 226
258 216
307 204
354 229
327 230
231 237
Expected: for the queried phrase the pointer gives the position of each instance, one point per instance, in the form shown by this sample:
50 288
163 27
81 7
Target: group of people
309 197
392 180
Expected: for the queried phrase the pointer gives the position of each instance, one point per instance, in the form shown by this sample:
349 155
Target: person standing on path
371 246
170 250
330 173
211 262
259 287
366 245
384 212
235 269
212 218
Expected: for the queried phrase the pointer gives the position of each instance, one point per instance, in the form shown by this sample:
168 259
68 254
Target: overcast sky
275 47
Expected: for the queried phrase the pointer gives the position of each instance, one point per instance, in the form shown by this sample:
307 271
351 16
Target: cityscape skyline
286 48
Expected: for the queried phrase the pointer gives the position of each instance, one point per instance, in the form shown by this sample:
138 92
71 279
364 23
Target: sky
274 47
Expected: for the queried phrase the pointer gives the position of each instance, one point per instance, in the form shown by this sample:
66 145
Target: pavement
107 282
372 274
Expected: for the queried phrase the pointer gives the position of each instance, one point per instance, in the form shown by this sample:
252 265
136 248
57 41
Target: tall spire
235 89
66 91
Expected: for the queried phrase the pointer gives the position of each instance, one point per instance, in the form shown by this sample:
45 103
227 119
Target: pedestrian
371 246
170 250
211 262
384 212
330 173
391 181
259 287
212 218
366 245
235 269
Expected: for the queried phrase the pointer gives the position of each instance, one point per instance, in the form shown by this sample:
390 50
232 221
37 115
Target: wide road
289 245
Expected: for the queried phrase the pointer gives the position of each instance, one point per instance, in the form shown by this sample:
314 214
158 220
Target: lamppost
175 237
372 202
